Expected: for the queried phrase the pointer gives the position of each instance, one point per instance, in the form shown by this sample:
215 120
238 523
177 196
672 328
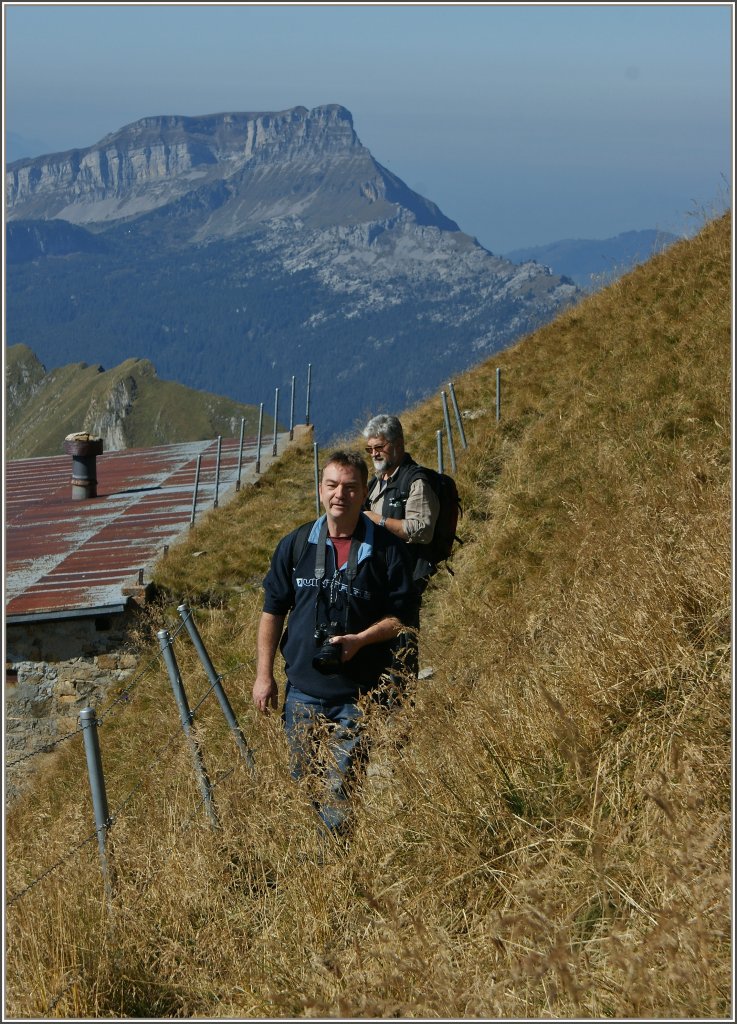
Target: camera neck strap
351 570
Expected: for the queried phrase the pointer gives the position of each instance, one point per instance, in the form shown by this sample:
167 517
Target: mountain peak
160 159
254 236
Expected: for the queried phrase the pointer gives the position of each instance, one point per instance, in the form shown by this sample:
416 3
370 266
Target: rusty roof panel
76 557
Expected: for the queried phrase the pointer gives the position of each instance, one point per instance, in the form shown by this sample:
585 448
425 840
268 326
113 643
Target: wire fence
100 719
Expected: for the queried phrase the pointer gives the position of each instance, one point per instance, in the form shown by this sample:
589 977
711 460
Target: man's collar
405 459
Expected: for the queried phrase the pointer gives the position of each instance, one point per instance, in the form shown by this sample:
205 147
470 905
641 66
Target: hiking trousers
328 749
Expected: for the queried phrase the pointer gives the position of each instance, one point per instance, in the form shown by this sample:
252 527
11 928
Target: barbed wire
183 828
122 697
176 733
45 748
153 875
52 1003
62 860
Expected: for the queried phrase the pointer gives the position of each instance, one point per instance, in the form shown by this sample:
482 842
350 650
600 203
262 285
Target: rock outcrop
272 165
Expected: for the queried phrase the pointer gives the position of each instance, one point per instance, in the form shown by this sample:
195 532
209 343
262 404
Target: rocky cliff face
259 237
153 162
24 378
127 406
106 415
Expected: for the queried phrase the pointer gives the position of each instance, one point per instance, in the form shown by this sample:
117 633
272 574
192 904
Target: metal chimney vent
84 449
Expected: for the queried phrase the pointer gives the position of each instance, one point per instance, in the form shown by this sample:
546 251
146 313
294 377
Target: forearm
269 634
267 643
379 632
421 513
396 526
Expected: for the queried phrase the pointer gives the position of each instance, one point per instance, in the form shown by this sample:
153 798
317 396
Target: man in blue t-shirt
347 588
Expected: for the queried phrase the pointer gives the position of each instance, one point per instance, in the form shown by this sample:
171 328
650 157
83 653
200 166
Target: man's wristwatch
382 521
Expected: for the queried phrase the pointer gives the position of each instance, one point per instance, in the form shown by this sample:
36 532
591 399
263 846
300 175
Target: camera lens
327 659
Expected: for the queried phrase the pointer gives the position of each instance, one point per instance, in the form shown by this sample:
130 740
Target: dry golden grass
552 839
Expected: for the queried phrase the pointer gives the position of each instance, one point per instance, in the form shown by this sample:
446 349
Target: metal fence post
448 433
317 478
186 717
309 383
276 415
439 439
291 413
457 411
258 439
217 471
88 721
498 394
196 485
188 620
240 455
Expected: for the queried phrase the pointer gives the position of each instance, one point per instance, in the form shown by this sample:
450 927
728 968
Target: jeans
328 747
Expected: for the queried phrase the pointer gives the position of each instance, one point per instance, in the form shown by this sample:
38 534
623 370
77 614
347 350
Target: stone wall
53 669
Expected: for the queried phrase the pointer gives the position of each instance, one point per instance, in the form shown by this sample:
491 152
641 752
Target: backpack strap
299 542
407 476
299 546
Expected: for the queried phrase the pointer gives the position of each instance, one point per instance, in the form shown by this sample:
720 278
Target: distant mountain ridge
127 406
591 262
208 158
234 249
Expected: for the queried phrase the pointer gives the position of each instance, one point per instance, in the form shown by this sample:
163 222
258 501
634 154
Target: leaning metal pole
291 411
240 455
215 679
186 718
88 721
457 411
449 435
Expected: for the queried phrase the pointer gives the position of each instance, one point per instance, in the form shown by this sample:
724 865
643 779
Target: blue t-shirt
383 586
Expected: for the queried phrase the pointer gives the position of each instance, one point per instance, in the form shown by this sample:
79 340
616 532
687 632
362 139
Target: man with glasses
401 499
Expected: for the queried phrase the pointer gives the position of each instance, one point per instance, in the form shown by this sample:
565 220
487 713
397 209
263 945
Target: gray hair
385 426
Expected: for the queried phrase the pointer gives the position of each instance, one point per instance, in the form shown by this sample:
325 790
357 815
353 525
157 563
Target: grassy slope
553 839
73 398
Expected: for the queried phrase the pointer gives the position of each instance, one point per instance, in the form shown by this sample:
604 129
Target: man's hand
265 693
380 632
350 644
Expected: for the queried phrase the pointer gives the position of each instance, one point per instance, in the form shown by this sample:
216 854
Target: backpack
450 510
444 536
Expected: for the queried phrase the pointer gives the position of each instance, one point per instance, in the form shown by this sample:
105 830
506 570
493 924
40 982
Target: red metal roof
66 557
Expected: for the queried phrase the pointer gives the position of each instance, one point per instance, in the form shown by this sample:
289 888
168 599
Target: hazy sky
525 123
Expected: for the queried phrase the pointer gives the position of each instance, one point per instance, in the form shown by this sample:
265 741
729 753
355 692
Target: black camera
327 658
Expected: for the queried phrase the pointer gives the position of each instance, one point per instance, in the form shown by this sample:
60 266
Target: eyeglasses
376 449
